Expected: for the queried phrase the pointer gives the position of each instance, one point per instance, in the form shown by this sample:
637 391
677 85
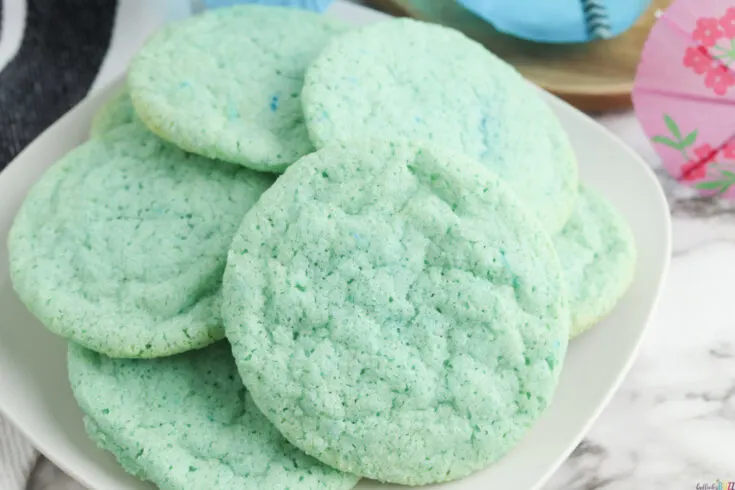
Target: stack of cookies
294 254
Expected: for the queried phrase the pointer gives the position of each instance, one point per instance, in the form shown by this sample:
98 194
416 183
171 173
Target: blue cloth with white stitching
553 21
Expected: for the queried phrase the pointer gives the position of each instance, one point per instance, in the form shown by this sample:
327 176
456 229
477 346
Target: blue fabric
553 21
313 5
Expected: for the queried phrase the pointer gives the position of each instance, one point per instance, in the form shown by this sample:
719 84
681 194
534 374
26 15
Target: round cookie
186 422
597 252
226 84
395 311
117 111
121 245
433 83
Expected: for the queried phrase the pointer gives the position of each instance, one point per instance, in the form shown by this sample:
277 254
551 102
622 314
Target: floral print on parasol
684 93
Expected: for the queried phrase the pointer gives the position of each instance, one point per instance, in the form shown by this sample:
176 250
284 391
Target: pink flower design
693 171
707 32
698 59
729 150
719 79
727 22
697 169
705 152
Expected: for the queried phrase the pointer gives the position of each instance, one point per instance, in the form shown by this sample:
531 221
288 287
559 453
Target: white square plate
35 392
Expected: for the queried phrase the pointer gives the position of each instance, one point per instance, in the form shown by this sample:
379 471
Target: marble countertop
673 420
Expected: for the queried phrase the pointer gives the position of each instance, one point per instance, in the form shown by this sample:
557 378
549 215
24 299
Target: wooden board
596 76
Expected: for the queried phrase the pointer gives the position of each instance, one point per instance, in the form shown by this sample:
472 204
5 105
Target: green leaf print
690 139
666 141
671 124
709 186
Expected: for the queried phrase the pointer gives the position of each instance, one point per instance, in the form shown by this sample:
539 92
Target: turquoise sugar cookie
117 111
226 84
395 311
597 252
121 245
187 423
404 78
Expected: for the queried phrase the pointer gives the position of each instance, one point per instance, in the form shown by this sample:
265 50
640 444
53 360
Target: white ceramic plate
35 394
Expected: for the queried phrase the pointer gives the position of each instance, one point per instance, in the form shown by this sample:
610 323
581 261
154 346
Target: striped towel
17 458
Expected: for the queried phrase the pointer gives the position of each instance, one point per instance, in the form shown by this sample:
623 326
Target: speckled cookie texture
597 252
187 423
395 311
117 111
226 84
404 78
122 244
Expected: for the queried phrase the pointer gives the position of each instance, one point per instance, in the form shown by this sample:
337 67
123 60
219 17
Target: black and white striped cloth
17 458
52 54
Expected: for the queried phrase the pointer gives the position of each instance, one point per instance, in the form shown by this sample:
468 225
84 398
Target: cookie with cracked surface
597 252
187 423
395 311
121 244
117 111
436 84
227 84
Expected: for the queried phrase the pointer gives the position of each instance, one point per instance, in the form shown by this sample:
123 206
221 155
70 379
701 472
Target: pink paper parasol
684 93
